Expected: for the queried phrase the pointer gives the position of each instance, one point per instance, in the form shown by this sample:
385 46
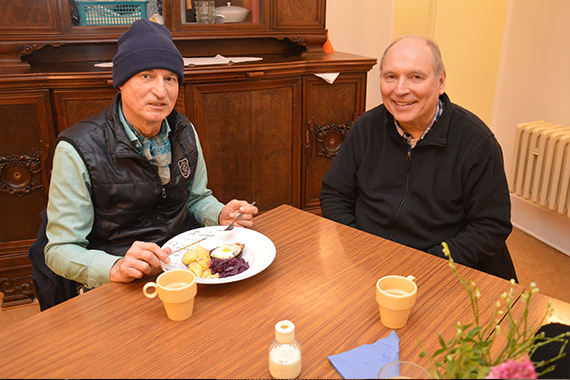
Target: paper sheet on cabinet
218 60
328 77
198 61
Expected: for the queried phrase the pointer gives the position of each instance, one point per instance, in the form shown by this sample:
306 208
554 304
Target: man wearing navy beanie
146 45
127 180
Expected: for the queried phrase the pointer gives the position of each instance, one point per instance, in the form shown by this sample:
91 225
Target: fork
188 246
231 226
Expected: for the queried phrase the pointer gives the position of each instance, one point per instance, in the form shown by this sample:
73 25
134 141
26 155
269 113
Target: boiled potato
196 268
198 261
208 274
190 256
204 262
202 252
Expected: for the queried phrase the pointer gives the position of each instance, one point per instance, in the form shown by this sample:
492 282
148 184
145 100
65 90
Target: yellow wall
413 16
469 34
362 27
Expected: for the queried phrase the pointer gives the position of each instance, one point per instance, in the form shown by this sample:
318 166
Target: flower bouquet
468 354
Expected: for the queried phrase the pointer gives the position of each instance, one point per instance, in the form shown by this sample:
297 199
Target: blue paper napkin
364 362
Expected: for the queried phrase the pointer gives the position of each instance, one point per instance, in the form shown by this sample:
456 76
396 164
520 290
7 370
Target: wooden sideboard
269 129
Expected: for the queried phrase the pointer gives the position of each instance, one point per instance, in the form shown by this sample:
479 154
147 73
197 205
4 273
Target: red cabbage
228 267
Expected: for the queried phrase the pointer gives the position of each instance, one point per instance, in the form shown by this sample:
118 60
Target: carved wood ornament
28 49
330 138
18 290
20 174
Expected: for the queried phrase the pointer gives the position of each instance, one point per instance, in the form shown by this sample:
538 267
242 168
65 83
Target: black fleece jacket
451 187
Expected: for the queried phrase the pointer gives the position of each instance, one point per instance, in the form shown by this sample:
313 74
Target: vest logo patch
184 167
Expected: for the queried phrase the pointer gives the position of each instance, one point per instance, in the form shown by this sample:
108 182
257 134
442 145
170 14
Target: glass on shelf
221 11
154 7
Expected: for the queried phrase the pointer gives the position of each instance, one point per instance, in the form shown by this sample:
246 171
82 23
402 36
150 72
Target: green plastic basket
110 12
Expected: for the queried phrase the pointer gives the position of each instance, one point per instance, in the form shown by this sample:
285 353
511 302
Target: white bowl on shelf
230 13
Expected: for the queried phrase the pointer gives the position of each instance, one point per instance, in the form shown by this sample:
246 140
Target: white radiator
541 165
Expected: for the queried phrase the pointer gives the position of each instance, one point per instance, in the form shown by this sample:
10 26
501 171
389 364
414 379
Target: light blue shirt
70 216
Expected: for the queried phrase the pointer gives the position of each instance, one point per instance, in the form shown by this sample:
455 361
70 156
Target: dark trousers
50 288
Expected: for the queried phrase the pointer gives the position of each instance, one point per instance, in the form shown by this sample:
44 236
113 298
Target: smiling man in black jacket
420 170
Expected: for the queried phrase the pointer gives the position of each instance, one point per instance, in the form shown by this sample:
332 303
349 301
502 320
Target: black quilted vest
130 203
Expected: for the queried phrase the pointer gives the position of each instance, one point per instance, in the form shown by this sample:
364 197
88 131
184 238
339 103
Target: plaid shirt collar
156 149
408 137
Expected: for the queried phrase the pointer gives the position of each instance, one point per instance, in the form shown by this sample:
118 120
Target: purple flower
513 370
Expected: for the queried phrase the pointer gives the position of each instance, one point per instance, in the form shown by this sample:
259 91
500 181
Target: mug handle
150 285
411 278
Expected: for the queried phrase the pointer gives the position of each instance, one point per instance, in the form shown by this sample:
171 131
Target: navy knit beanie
146 45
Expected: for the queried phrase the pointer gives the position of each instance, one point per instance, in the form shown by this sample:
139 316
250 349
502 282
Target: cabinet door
304 14
250 135
330 111
73 106
25 161
20 17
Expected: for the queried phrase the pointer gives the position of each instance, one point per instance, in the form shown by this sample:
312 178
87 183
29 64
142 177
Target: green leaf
439 352
441 341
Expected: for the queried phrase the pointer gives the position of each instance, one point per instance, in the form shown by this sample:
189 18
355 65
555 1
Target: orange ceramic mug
177 289
395 296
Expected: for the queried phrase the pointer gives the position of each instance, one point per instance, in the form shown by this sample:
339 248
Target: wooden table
322 279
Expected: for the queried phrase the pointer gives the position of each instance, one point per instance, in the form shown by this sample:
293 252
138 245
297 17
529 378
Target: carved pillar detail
17 291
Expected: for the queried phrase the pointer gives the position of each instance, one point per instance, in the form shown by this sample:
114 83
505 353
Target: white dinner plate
259 250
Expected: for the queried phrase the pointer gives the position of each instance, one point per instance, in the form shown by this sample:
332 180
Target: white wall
534 84
363 27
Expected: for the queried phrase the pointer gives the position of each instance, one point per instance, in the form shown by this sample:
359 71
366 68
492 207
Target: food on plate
204 262
220 262
207 273
228 267
193 254
197 260
227 251
196 268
